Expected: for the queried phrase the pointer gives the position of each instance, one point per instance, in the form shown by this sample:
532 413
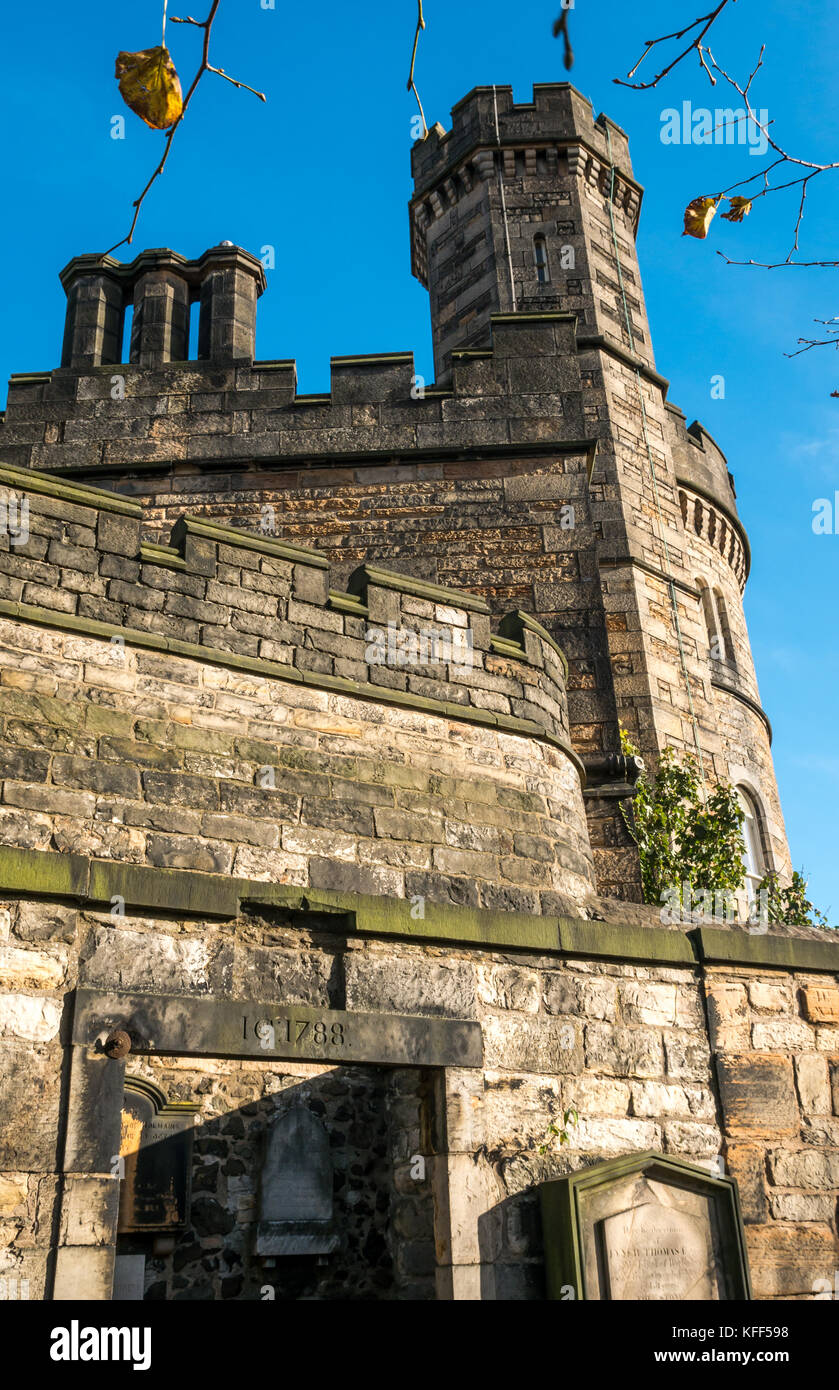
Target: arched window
754 861
540 256
722 611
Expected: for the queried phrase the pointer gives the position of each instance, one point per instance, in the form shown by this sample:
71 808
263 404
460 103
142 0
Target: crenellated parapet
117 418
81 563
489 128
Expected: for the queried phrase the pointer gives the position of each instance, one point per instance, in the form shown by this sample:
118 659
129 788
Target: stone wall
701 1045
223 713
525 482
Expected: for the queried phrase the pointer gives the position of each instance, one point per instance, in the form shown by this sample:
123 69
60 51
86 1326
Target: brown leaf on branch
149 84
698 216
740 208
204 66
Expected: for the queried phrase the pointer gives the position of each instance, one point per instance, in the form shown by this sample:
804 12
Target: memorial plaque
644 1228
129 1278
156 1155
201 1027
655 1252
295 1200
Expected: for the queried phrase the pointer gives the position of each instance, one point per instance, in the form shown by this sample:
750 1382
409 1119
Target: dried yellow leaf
149 84
740 208
698 216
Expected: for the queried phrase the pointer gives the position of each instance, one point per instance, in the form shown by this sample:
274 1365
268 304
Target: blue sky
321 172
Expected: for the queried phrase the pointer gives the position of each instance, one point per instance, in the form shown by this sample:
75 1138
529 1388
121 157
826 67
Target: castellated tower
311 841
510 214
532 209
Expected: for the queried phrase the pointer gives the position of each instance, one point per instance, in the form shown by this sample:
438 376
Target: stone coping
80 494
365 575
747 701
162 258
248 540
96 882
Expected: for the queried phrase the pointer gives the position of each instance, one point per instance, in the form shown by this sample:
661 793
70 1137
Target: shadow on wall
512 1251
341 1149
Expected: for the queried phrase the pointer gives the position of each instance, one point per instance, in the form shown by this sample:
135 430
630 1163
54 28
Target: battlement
234 713
122 419
707 493
557 115
76 560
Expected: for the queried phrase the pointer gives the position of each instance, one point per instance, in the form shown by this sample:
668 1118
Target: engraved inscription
186 1025
285 1029
655 1252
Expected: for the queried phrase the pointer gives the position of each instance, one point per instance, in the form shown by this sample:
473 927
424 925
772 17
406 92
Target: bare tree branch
783 158
830 341
698 29
411 83
205 66
561 27
706 20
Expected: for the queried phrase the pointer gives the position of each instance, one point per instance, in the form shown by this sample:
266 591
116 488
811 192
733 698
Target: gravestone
156 1159
295 1201
129 1278
644 1228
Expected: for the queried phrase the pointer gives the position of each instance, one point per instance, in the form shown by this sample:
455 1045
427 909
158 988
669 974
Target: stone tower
532 209
310 773
504 221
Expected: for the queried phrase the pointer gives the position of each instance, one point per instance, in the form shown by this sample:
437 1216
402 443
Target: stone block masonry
312 707
663 1049
226 712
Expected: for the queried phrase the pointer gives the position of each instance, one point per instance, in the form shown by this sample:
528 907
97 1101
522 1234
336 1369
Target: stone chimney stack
231 280
160 327
93 328
161 285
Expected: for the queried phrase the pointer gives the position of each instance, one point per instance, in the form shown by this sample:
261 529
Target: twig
782 265
819 342
706 20
222 73
205 66
783 158
561 27
411 83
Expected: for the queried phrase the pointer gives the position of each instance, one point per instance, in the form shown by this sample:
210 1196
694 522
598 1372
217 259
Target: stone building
316 903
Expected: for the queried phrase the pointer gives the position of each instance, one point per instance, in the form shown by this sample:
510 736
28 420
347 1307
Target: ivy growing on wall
791 904
684 842
691 847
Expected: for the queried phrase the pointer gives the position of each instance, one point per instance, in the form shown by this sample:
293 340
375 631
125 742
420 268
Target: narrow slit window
715 642
725 629
540 256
